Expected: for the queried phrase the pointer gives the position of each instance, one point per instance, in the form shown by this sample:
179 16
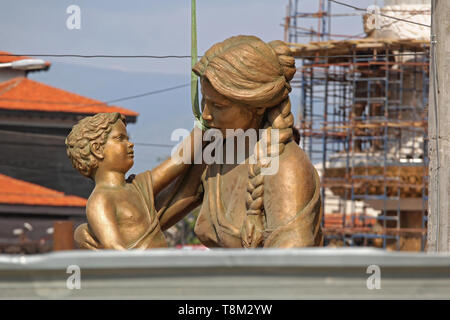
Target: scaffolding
298 25
292 29
363 123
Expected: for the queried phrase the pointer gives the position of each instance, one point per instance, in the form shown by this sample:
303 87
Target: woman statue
245 85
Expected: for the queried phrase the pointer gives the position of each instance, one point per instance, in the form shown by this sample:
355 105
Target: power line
112 56
33 144
99 103
148 93
331 56
381 14
187 84
91 56
154 145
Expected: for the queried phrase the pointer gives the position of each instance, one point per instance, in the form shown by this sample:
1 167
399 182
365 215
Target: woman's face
222 113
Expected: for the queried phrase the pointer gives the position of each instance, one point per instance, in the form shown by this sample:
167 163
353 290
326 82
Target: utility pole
439 129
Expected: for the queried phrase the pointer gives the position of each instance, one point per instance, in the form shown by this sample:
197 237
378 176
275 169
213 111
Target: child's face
118 150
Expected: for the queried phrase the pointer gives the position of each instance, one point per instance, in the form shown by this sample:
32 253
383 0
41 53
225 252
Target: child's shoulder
100 199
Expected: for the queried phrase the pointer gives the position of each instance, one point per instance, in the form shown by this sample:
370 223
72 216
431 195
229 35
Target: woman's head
241 77
245 84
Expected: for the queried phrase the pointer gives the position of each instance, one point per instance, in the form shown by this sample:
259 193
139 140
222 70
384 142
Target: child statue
121 214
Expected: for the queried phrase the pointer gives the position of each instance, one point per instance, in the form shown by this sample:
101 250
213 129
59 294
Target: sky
144 27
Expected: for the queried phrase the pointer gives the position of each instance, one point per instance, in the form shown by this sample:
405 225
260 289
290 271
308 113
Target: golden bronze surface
245 85
121 214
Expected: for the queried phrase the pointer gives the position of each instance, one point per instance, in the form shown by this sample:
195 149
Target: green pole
194 78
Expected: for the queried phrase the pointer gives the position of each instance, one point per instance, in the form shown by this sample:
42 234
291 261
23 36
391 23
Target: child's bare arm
101 214
170 169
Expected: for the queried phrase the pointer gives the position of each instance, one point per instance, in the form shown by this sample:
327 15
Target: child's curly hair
84 134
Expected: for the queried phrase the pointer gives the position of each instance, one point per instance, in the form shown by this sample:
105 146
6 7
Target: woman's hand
252 233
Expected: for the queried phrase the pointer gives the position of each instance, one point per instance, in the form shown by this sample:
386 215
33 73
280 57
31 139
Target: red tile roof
29 95
14 191
6 59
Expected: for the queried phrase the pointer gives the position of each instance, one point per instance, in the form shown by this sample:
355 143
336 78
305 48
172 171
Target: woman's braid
281 119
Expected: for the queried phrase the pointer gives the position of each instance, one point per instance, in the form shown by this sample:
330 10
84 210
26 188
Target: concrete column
439 122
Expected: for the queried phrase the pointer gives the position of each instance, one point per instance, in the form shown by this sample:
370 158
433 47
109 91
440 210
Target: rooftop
14 191
29 95
6 57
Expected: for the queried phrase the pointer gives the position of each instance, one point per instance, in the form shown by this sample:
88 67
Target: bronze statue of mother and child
245 84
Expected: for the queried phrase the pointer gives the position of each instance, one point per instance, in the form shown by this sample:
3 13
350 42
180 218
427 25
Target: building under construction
363 119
